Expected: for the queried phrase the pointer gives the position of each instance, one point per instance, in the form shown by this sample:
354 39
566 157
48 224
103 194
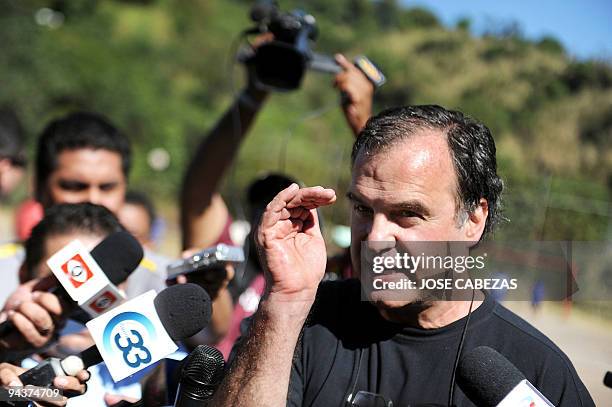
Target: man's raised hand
290 244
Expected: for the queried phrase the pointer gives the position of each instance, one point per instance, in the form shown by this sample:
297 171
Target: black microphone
202 372
489 380
183 309
117 255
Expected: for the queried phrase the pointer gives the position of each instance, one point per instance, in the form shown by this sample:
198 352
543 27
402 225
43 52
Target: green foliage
162 70
464 24
417 18
587 74
551 44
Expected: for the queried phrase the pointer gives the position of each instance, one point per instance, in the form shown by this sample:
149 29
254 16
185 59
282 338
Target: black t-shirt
346 346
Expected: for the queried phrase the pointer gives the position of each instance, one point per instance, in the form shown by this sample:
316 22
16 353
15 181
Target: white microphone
182 310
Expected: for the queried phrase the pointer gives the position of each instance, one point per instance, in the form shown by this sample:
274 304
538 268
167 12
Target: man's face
10 176
406 192
135 219
87 175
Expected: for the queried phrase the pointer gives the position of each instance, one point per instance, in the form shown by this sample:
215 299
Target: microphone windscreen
184 310
486 376
202 372
118 255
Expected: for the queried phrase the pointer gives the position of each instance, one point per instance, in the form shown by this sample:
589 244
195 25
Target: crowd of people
419 173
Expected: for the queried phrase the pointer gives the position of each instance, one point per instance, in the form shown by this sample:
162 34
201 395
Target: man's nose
381 230
94 196
380 239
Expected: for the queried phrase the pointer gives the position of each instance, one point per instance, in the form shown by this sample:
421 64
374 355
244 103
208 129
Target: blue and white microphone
133 335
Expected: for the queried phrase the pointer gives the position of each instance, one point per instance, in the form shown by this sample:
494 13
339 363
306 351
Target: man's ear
476 221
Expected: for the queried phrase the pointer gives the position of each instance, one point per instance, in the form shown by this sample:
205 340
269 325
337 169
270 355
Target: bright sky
583 27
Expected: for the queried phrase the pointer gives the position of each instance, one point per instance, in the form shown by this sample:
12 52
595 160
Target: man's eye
72 185
361 209
108 187
410 214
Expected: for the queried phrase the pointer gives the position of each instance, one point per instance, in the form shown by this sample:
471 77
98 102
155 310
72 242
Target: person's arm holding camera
292 251
357 94
203 212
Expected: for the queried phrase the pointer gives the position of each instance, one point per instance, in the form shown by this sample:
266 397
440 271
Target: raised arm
293 256
357 94
203 212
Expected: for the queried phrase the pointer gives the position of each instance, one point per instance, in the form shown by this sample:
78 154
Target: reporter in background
35 313
46 331
138 215
12 154
12 169
83 157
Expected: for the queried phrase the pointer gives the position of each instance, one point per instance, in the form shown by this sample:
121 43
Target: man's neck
436 314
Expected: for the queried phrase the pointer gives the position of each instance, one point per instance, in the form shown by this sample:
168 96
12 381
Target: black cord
451 392
313 114
351 397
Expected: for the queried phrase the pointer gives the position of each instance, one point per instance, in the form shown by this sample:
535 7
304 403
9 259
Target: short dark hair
470 142
63 219
141 199
78 131
263 189
11 137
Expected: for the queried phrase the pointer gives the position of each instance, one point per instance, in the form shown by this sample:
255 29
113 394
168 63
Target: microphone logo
132 336
129 333
105 301
77 271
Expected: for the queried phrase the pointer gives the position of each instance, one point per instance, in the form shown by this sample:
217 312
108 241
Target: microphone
117 255
489 379
203 371
184 310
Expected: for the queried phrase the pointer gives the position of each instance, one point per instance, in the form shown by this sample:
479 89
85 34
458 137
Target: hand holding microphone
68 386
183 310
32 323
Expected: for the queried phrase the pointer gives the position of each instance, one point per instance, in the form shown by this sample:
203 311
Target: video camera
280 64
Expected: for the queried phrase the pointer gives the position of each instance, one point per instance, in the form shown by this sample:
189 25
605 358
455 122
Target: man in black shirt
348 347
420 173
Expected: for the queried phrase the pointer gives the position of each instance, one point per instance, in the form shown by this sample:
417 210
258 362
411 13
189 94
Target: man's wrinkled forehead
424 151
414 169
